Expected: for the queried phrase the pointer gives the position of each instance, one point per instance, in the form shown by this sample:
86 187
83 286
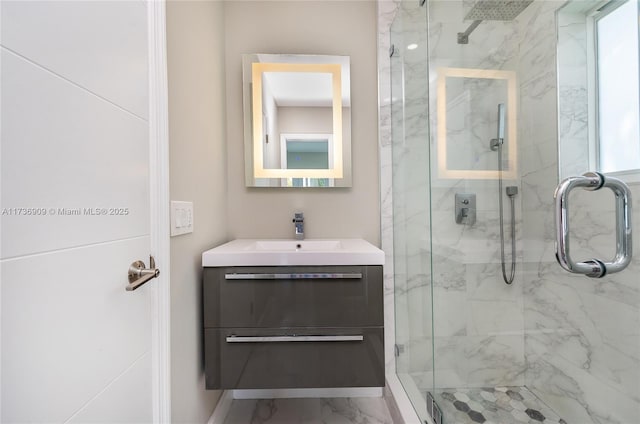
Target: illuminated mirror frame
511 117
257 70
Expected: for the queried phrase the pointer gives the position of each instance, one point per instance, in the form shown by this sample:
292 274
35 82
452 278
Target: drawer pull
272 339
296 276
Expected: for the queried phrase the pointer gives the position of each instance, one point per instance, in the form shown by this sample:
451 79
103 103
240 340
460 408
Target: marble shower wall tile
490 46
583 335
472 120
573 130
478 323
582 362
582 341
419 351
479 361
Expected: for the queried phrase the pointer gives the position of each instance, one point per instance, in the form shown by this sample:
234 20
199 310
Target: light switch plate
181 218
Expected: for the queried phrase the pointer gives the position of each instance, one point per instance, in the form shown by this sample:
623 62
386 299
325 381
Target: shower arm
463 37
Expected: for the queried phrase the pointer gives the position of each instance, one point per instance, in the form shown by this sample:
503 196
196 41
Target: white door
76 212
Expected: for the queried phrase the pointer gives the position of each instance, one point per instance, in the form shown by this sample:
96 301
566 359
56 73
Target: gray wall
195 44
305 27
205 41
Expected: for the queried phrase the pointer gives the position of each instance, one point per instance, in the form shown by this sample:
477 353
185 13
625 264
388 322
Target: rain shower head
497 10
492 10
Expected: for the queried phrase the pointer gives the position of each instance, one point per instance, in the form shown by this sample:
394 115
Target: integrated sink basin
251 252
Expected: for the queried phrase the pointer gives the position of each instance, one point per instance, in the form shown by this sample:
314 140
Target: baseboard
308 393
222 408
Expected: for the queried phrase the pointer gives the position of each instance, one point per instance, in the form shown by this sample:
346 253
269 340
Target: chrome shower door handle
624 245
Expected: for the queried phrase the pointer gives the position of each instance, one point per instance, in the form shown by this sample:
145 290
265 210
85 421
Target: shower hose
512 273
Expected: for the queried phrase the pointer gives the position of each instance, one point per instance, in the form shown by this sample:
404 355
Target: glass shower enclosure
493 104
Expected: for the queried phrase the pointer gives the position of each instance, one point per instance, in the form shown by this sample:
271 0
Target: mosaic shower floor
494 405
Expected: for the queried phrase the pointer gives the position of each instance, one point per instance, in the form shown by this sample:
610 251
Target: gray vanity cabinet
293 327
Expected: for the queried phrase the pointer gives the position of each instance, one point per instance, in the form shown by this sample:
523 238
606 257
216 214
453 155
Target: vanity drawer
268 297
294 358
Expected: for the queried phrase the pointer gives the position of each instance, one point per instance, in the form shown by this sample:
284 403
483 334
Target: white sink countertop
253 252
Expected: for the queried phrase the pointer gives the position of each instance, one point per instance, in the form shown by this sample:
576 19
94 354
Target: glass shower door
551 346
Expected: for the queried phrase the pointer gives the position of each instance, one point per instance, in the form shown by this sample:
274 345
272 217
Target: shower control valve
465 208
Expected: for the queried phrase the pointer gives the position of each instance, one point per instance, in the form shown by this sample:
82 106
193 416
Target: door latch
139 274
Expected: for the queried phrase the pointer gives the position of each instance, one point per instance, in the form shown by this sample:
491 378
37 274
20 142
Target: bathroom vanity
293 314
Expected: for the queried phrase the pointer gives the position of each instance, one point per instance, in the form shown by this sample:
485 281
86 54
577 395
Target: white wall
306 27
195 43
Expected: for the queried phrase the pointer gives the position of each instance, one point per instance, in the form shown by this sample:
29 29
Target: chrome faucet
298 221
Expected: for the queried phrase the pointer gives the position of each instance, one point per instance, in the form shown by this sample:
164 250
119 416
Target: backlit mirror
297 120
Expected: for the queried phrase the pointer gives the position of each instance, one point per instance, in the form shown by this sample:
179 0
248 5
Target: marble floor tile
494 405
309 411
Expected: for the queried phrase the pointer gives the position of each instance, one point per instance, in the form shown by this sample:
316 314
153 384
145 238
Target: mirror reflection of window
308 182
307 151
307 154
